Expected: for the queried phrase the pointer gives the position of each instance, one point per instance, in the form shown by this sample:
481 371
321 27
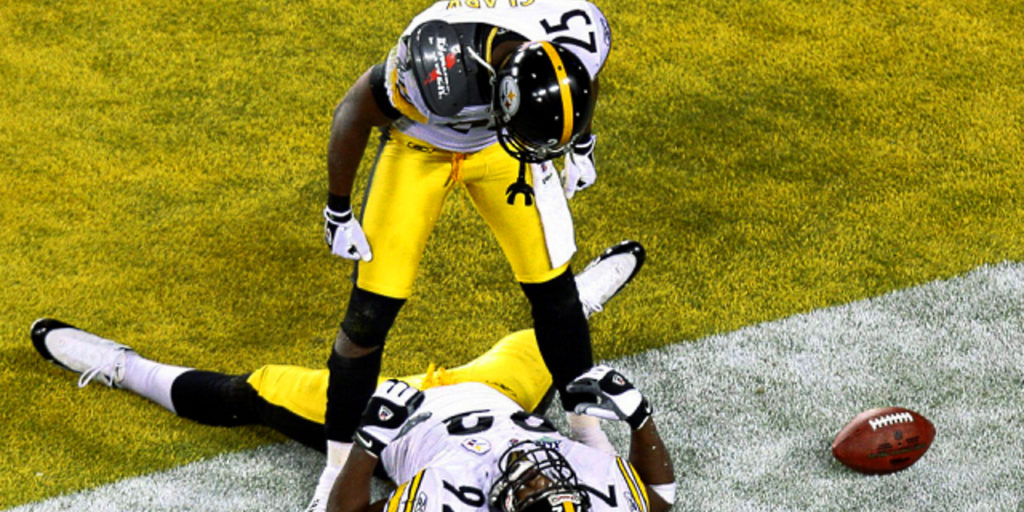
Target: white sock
151 379
337 454
323 489
587 430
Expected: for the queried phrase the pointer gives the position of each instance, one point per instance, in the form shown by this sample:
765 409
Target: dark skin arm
351 491
354 119
648 455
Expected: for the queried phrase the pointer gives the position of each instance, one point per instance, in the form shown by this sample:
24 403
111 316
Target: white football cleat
81 352
608 273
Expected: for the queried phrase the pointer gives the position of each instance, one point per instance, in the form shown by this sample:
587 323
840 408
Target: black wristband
584 144
640 416
372 445
338 204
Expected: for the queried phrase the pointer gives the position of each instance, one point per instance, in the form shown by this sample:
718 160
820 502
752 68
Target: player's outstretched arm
351 492
354 119
648 455
613 397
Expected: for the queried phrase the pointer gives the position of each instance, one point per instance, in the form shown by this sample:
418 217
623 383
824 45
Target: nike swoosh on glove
389 407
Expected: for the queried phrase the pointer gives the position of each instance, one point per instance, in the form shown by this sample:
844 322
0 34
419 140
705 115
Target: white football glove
611 396
345 236
579 172
389 407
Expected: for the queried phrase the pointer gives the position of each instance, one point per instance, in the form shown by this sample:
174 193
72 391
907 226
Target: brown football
883 440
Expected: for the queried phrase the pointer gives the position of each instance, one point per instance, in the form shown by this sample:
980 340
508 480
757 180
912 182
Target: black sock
351 383
223 400
563 334
214 398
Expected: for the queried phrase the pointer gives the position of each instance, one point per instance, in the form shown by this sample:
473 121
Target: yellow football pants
406 191
512 366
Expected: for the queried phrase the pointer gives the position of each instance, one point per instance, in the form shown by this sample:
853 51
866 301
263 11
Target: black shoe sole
626 247
42 327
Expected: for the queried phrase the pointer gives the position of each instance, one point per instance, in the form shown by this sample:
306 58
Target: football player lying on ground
466 440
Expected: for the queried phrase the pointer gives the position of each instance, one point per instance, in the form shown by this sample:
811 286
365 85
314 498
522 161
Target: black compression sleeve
563 335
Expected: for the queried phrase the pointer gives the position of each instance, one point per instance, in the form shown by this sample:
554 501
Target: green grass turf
162 179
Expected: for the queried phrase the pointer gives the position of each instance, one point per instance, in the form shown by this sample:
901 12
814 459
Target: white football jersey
447 457
578 25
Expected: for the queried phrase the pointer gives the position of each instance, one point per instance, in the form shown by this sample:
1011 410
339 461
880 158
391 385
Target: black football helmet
543 100
536 478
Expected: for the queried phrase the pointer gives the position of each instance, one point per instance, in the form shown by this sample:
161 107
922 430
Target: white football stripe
749 415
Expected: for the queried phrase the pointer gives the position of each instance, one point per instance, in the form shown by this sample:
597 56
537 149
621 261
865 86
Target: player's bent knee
368 319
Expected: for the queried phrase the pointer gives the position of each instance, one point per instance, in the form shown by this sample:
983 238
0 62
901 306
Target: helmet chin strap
490 70
492 79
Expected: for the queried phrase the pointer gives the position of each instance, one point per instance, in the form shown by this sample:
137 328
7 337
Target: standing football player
482 95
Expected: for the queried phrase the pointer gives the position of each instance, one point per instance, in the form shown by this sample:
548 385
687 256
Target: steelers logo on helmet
536 478
555 101
509 96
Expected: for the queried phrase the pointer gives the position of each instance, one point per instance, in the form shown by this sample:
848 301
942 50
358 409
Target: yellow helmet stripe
489 46
563 88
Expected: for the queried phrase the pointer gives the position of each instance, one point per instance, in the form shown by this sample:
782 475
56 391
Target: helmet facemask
535 478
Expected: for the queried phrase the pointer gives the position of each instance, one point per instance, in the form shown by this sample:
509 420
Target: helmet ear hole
543 100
